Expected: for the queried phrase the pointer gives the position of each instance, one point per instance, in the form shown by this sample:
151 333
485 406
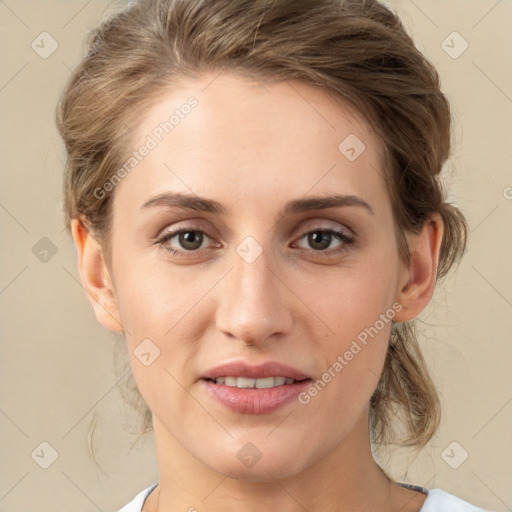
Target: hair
357 51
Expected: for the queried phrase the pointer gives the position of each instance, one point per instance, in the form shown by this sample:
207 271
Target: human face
292 293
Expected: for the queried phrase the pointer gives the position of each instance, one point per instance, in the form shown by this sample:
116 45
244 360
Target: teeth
267 382
230 381
246 383
242 382
279 381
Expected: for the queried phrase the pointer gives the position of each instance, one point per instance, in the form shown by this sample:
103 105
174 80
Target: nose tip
252 307
252 330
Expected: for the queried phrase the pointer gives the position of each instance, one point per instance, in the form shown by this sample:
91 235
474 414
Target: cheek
165 314
154 300
352 361
355 306
349 299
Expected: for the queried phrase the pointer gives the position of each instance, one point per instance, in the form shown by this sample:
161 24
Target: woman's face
264 274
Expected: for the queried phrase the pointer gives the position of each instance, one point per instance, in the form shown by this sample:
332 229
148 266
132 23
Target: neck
346 478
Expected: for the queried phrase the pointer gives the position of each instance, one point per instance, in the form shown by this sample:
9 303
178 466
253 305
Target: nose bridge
252 306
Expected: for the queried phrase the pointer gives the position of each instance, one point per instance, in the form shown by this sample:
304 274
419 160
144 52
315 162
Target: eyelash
339 235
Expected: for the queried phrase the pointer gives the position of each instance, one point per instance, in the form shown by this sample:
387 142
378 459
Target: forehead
234 137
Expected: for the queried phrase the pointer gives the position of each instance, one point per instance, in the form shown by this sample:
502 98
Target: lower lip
255 401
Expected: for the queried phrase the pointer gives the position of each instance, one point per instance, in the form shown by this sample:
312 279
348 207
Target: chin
261 472
264 464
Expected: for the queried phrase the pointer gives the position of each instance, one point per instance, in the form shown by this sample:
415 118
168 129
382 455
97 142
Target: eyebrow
201 204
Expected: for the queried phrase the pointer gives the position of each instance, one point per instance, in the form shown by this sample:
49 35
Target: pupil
320 239
191 240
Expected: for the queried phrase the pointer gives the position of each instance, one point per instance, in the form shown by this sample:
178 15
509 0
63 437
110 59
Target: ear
418 280
95 277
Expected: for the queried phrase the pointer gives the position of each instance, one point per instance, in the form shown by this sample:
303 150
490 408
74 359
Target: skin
253 148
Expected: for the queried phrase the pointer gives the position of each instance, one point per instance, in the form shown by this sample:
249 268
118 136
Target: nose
253 302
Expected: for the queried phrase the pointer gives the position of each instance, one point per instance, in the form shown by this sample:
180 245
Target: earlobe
95 277
417 287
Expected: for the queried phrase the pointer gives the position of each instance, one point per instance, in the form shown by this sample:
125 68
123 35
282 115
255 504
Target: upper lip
254 371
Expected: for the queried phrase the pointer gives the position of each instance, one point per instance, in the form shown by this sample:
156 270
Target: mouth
248 389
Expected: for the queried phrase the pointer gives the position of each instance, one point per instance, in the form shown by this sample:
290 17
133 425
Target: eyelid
313 225
322 227
178 227
171 233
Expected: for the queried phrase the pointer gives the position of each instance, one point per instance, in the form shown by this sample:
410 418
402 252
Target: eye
183 241
321 240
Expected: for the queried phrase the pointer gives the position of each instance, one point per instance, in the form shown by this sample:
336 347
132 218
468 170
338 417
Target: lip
252 400
259 371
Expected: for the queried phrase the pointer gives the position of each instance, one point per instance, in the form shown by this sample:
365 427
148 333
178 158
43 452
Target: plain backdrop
57 363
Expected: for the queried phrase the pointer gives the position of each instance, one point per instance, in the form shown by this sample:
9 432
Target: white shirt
437 501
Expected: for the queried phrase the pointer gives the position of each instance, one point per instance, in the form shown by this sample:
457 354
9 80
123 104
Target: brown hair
356 50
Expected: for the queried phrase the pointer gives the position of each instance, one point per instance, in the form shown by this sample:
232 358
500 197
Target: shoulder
136 504
441 501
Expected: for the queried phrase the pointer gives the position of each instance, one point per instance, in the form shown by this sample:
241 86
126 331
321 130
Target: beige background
56 362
